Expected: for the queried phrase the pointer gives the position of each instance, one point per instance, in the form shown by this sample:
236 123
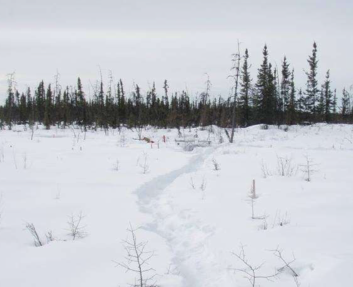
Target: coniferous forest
269 97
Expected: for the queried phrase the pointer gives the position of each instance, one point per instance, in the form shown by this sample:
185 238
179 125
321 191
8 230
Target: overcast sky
143 41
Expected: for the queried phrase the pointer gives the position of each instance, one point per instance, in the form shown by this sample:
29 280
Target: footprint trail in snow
185 235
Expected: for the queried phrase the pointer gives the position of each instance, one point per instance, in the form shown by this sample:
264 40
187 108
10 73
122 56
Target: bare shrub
203 187
138 260
139 130
122 139
49 236
220 135
287 264
192 184
264 225
32 230
216 165
116 165
25 161
285 166
144 164
264 169
173 270
203 184
250 271
76 229
281 219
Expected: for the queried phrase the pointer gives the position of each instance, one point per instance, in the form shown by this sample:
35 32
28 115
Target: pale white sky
152 40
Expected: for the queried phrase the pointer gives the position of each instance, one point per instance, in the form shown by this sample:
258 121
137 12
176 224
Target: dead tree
57 84
250 271
137 260
11 91
236 68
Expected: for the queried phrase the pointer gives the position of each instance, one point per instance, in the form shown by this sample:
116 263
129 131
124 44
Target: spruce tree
266 89
345 105
40 102
285 85
80 103
312 90
48 108
278 100
245 90
66 107
334 103
121 102
30 108
291 108
320 109
328 101
23 109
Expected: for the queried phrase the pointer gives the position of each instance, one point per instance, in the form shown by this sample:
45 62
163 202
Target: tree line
272 98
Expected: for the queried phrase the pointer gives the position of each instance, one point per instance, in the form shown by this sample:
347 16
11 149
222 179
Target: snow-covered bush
285 166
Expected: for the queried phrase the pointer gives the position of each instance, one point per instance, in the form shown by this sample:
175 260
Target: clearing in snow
272 209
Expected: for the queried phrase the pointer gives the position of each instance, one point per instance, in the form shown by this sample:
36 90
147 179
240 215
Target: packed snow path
185 235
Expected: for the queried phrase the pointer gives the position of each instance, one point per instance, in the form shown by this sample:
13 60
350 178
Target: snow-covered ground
193 216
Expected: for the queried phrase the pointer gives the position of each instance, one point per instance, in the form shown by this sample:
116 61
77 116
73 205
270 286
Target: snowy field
197 209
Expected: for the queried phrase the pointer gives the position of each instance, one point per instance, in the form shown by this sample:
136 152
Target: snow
192 215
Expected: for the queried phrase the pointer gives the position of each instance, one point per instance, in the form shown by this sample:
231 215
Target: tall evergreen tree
265 91
345 105
328 97
40 102
285 85
121 102
80 103
23 109
291 108
48 108
245 91
312 90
